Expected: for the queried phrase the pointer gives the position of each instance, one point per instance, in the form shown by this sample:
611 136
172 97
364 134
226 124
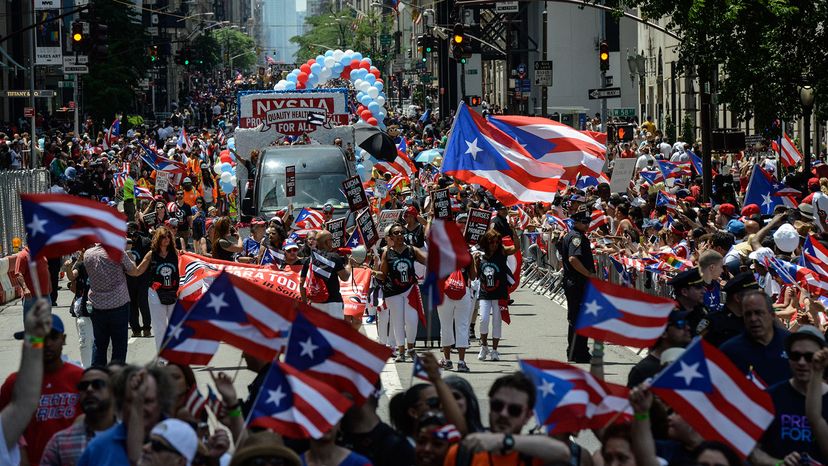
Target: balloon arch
349 65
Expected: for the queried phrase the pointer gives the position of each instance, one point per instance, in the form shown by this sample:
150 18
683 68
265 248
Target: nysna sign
288 113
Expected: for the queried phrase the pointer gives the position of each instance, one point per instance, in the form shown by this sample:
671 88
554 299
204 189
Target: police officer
688 290
578 266
727 323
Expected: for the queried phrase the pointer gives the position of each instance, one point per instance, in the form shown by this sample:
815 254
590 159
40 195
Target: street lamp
806 97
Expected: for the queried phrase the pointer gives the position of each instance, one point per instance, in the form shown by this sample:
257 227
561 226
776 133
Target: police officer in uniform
728 322
688 290
578 266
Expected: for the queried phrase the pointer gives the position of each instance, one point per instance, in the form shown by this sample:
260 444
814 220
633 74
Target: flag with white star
765 191
715 397
60 224
620 315
296 405
478 152
182 345
332 351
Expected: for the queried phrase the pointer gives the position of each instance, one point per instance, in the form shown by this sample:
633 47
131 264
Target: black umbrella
376 143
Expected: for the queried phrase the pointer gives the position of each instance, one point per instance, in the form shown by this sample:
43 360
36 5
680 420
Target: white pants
490 309
160 315
384 333
336 310
403 319
86 340
454 321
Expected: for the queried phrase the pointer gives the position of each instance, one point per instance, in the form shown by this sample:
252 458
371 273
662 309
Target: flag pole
33 273
253 405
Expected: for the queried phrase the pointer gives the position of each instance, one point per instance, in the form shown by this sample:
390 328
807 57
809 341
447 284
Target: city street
538 330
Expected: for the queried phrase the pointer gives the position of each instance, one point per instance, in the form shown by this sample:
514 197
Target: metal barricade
12 184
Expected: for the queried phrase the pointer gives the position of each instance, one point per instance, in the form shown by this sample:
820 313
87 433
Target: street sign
605 93
543 73
385 39
752 139
28 112
65 84
73 60
507 7
75 69
626 112
26 93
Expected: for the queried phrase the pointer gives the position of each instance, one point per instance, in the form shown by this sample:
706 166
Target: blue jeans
110 324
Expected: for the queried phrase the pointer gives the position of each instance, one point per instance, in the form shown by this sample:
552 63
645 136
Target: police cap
687 278
582 216
743 282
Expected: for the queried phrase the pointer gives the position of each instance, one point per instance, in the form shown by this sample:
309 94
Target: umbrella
375 142
428 156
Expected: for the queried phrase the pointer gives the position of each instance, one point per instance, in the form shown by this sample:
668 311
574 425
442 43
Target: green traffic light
463 61
424 59
186 62
428 49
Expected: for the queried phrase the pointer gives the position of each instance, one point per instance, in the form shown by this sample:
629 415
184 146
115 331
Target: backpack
455 285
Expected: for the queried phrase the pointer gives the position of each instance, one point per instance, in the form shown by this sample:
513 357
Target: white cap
670 354
760 254
786 238
179 435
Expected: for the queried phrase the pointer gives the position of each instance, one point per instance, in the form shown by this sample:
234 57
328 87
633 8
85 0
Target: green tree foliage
762 49
207 52
238 45
342 30
110 85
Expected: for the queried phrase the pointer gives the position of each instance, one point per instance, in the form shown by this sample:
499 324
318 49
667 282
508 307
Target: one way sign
605 93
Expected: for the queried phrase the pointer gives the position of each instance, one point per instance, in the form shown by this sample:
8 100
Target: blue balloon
226 167
291 78
320 59
337 68
374 108
290 86
357 56
378 85
346 60
370 78
328 53
354 75
316 68
366 100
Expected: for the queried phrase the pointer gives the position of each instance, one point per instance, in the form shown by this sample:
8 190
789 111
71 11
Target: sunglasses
396 233
96 384
795 356
681 323
512 409
159 446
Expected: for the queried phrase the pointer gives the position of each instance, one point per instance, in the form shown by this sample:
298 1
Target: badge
701 328
576 241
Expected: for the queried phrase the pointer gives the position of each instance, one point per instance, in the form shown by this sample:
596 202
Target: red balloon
311 61
306 68
360 109
372 69
366 115
354 64
372 121
302 77
365 65
225 159
376 73
225 152
300 85
346 73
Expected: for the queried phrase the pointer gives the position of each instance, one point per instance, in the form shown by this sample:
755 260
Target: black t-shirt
382 445
326 266
790 430
646 368
183 214
81 289
165 276
400 272
415 237
501 225
221 253
494 277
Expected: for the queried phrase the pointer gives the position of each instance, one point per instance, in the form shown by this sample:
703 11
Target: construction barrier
12 184
9 290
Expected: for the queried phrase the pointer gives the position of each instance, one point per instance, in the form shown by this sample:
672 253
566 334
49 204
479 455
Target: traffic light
99 41
472 100
77 35
620 132
153 53
603 55
459 34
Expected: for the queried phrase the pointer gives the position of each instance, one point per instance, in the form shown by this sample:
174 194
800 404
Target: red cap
411 210
750 210
727 209
690 199
813 183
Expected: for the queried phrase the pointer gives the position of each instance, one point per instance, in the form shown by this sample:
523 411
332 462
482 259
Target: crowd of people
747 277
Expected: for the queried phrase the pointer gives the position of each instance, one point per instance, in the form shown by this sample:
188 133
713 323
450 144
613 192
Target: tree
238 46
762 50
111 83
341 30
207 52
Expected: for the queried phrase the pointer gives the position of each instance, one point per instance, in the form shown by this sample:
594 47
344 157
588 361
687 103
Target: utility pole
545 45
77 104
32 45
604 71
706 133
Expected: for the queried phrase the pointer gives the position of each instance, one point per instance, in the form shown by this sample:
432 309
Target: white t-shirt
665 150
820 203
643 160
8 457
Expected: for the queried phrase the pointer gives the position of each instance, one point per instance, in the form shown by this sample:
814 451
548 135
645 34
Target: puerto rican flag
158 163
550 141
793 274
222 139
667 200
620 315
715 397
296 405
119 178
788 152
418 371
478 152
674 169
183 141
598 220
447 252
309 219
556 221
181 344
765 191
815 258
355 239
60 224
651 177
330 350
112 135
142 193
395 182
196 402
402 165
521 220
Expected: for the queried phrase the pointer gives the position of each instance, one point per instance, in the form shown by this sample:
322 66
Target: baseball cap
411 210
743 282
187 180
290 244
327 208
736 228
179 435
805 332
57 326
669 355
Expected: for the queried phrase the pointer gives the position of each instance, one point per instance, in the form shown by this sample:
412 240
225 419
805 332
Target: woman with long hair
164 279
222 240
493 271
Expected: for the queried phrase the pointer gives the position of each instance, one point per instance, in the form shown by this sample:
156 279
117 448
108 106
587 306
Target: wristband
235 412
643 416
34 339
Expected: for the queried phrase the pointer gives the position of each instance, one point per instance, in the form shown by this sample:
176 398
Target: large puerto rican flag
550 141
789 154
478 152
447 252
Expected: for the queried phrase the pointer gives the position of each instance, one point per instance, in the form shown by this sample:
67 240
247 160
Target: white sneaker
484 351
400 357
494 355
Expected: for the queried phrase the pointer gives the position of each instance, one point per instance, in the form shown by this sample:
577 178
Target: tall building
279 22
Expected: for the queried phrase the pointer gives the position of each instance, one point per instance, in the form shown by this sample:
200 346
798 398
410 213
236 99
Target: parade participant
455 315
760 350
138 244
677 240
511 399
163 279
98 407
790 431
79 284
616 446
728 322
251 244
324 451
578 266
273 250
434 437
264 448
183 212
493 270
362 431
328 268
171 443
327 212
23 274
467 402
676 335
397 274
688 291
292 259
223 244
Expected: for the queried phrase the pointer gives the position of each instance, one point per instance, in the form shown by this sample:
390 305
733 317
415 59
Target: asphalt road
538 330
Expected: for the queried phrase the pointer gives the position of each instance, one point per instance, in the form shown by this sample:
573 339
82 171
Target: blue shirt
108 447
250 247
769 362
713 296
353 459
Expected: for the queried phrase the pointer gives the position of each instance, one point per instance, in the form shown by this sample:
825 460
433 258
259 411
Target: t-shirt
108 447
8 455
57 409
790 430
485 458
326 266
22 267
713 296
382 445
401 275
494 277
165 276
353 459
770 362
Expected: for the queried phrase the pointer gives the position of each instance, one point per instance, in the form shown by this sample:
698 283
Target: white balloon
364 86
325 74
380 100
329 62
373 92
358 83
338 55
233 180
226 176
217 168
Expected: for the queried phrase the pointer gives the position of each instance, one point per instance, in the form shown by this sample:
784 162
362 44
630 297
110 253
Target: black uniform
724 325
575 244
